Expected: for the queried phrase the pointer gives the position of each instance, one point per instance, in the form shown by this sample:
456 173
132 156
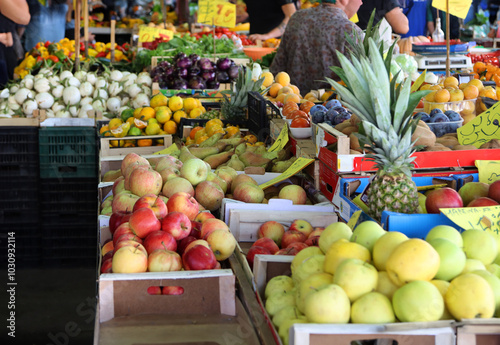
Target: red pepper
53 58
101 54
39 59
47 43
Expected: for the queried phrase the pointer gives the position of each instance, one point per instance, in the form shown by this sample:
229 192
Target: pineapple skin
394 192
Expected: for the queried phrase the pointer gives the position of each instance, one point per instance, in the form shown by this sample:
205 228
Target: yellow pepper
92 52
23 73
108 45
100 47
65 51
29 62
64 41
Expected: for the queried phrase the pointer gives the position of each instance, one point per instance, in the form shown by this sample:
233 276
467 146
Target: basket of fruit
442 123
256 53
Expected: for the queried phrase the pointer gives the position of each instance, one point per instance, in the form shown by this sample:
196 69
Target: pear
185 154
253 159
219 158
235 163
203 152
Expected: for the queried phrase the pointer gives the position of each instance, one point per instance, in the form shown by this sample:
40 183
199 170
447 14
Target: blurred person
12 14
311 40
416 12
269 18
432 13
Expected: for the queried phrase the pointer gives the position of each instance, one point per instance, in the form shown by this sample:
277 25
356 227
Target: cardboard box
478 332
108 150
404 333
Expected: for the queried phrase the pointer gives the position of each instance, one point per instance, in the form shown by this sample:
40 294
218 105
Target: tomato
296 113
300 122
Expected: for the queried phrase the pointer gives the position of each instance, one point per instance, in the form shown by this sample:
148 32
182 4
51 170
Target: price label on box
149 34
217 12
480 218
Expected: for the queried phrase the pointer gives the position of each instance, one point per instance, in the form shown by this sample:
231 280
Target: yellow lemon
214 129
189 104
178 115
159 100
163 114
170 127
175 103
153 129
130 120
137 112
114 123
147 113
196 112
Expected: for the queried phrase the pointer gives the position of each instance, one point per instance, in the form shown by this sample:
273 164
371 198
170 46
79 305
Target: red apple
298 245
272 230
185 203
143 221
199 257
195 243
127 237
154 290
118 185
176 224
162 260
121 230
132 158
316 232
203 215
131 168
172 290
131 243
267 243
116 219
182 244
195 229
482 201
209 194
254 250
130 259
312 241
124 202
153 202
291 236
106 265
107 256
442 198
494 191
302 226
159 240
287 251
211 225
107 247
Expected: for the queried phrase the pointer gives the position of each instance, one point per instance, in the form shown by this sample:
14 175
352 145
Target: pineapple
234 106
385 110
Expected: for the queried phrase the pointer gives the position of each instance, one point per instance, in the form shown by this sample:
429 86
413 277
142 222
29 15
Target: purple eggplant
208 75
179 55
194 71
233 72
180 83
222 76
180 72
184 62
205 64
214 84
196 83
223 64
194 58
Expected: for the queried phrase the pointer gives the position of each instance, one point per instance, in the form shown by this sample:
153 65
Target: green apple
469 296
421 203
332 233
287 313
472 265
309 284
342 250
367 233
356 277
418 301
447 232
329 304
385 285
372 307
278 284
311 265
284 330
303 255
442 286
384 247
494 282
451 259
480 245
494 269
279 300
194 170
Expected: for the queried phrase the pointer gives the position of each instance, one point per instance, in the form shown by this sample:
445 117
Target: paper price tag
354 219
148 34
416 85
217 12
479 218
297 166
169 150
482 128
281 141
458 8
488 171
434 186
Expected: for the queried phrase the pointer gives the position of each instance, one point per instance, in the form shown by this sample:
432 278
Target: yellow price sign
281 141
297 166
169 150
458 8
482 128
429 187
217 12
420 80
480 218
354 18
148 34
354 219
488 171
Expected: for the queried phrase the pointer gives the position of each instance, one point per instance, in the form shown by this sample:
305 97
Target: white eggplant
54 81
58 106
42 85
44 100
73 110
113 104
83 112
71 95
116 75
12 100
65 74
124 100
99 105
5 93
57 91
133 90
122 109
86 100
27 82
22 94
115 88
144 79
71 81
91 78
141 100
63 113
86 89
29 106
81 75
49 113
14 106
101 83
101 93
13 89
129 79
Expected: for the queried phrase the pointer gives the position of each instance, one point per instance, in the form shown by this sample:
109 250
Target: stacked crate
19 193
68 197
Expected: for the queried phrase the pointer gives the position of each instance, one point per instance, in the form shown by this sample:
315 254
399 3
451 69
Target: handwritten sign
458 8
479 218
297 166
354 219
217 12
489 171
281 141
148 34
420 80
482 128
169 150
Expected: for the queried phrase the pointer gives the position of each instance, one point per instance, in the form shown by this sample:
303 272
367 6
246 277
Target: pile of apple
471 194
273 239
372 276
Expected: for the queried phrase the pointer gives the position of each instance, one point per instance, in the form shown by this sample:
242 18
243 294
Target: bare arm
69 13
398 21
16 10
288 10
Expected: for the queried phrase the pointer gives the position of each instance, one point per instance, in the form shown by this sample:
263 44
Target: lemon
189 104
147 113
159 100
137 112
115 123
178 115
196 112
175 103
153 129
152 120
163 114
268 78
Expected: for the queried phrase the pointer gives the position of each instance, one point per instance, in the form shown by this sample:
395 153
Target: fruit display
64 94
194 72
441 123
371 276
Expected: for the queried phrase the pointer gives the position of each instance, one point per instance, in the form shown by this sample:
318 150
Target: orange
137 112
140 124
479 67
194 130
189 104
170 127
159 100
201 139
273 91
232 130
144 142
175 103
178 115
163 114
130 120
250 138
104 129
282 78
147 113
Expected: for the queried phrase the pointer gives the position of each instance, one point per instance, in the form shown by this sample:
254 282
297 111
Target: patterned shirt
308 46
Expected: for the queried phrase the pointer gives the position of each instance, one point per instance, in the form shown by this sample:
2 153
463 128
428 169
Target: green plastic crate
68 152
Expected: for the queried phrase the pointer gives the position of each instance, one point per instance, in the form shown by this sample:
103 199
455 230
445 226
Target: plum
341 118
331 114
439 117
333 103
317 107
435 111
318 116
453 115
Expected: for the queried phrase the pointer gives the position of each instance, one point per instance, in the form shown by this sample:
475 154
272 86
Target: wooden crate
404 333
108 150
479 332
20 121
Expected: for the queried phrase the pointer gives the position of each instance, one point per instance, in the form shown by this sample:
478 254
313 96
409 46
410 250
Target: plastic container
260 112
442 128
465 108
69 195
301 133
18 145
256 53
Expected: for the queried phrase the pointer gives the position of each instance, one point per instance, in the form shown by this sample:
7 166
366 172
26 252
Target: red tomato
300 122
